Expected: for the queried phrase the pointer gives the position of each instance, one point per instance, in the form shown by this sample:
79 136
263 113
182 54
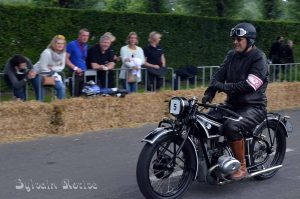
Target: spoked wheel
268 148
161 173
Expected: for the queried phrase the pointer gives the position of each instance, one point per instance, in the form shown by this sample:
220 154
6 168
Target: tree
213 8
149 6
117 5
66 3
292 11
271 9
220 8
155 6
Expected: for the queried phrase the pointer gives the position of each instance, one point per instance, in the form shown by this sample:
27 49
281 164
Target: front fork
182 133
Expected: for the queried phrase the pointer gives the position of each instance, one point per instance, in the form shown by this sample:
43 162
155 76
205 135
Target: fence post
73 84
106 79
146 79
296 72
117 78
203 77
2 75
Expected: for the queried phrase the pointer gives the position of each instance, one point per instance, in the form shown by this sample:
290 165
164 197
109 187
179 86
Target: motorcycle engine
228 165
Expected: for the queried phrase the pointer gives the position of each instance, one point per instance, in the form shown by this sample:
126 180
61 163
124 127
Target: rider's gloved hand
207 99
218 85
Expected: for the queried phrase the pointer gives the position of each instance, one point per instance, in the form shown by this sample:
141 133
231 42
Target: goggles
239 32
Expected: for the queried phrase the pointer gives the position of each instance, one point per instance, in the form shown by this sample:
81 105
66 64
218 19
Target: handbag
131 78
161 72
48 81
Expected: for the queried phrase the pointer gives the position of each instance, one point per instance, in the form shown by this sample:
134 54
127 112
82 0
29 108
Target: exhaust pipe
253 174
264 171
226 181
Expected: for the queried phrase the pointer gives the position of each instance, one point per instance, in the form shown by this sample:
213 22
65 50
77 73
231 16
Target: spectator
51 62
111 36
16 73
101 58
275 52
132 58
112 39
287 55
76 60
155 61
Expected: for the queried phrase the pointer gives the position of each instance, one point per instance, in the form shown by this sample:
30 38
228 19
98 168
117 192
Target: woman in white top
51 62
132 59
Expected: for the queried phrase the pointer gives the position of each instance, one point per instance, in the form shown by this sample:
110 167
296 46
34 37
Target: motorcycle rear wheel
271 150
157 176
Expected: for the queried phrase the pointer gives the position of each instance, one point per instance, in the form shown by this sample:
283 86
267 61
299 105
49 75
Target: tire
274 157
146 179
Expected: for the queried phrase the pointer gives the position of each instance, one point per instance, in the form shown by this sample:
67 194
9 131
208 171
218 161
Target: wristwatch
75 68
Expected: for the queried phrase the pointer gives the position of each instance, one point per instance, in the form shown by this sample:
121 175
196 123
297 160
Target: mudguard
161 131
280 123
155 134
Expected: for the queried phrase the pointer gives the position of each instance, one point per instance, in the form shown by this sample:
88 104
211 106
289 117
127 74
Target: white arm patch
254 81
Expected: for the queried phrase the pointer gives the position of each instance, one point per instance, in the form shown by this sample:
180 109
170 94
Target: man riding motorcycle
243 77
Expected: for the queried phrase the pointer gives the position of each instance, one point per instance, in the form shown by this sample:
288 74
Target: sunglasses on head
60 37
239 32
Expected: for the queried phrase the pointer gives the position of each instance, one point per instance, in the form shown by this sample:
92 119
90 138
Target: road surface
103 165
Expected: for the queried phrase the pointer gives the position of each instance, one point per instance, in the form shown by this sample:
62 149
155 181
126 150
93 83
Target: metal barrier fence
6 92
141 86
284 72
206 73
277 73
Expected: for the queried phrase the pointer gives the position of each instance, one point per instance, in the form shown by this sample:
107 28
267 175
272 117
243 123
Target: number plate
175 106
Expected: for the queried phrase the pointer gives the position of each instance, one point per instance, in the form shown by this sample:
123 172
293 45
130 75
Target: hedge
187 40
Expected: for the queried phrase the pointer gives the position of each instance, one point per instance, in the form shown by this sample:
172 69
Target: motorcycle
190 147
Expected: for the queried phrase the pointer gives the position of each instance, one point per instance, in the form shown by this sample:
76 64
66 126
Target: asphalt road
104 163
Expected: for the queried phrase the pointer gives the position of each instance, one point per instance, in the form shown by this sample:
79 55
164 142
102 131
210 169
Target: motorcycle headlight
178 106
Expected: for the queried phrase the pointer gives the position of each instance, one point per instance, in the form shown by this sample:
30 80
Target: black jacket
17 81
286 55
244 78
275 50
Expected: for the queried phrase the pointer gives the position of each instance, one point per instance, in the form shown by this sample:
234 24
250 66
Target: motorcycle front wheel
161 173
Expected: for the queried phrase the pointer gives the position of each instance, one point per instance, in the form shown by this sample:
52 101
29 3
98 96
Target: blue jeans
40 90
20 93
130 87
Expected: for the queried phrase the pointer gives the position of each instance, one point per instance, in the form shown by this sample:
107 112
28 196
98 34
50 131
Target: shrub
187 40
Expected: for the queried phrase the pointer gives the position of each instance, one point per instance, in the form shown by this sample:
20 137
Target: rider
243 77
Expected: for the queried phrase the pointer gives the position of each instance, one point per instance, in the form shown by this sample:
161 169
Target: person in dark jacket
16 73
155 62
276 53
287 55
243 77
101 58
275 50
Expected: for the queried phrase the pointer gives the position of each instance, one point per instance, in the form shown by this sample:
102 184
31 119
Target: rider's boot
238 149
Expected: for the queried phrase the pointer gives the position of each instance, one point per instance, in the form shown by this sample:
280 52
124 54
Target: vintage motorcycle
190 147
